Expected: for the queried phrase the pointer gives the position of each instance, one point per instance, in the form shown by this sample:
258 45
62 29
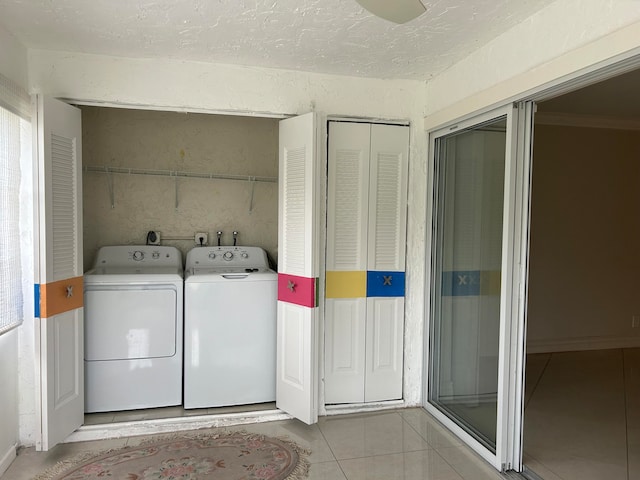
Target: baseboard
171 425
581 343
6 460
346 408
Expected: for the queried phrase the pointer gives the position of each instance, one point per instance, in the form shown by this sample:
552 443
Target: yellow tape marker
346 284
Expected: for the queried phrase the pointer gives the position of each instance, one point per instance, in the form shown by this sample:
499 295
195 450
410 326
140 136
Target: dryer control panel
138 255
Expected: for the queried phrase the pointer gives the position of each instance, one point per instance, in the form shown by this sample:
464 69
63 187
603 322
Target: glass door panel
467 271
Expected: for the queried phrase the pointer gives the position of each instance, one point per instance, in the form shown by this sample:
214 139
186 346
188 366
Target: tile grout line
404 420
434 449
626 413
535 387
335 459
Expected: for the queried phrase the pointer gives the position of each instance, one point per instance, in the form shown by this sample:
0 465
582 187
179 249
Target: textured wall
585 225
13 58
199 86
186 142
555 42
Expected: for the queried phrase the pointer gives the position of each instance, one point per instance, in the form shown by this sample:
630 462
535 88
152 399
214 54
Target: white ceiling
328 36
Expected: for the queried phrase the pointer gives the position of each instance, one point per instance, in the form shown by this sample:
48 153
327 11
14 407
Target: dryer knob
138 255
212 255
228 255
245 255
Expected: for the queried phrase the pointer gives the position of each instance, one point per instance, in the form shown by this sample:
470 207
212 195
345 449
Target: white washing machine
133 328
230 299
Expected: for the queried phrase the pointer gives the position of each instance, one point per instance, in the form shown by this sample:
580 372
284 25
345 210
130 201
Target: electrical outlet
635 321
201 239
153 237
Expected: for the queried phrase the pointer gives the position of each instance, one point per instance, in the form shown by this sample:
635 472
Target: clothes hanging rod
176 174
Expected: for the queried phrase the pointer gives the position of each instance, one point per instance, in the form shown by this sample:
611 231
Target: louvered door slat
293 240
348 196
388 191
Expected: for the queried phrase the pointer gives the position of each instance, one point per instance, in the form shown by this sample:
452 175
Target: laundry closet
183 174
181 183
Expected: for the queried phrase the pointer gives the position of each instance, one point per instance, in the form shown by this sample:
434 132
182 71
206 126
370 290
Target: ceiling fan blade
397 11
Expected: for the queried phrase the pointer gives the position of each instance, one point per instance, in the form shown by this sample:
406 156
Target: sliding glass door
476 245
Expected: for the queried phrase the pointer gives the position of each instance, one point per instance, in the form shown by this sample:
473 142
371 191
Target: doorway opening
228 184
581 417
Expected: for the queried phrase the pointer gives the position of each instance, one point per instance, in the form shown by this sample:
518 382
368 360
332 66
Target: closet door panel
345 320
388 197
347 196
347 217
384 330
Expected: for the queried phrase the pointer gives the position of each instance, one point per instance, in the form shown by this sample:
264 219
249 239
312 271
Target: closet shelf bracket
175 180
110 186
252 181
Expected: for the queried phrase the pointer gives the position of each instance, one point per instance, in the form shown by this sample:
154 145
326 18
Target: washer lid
204 274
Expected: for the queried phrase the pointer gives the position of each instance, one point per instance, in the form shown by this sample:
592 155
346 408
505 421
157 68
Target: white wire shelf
176 175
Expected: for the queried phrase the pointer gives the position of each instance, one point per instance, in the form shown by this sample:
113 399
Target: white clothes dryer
134 328
230 327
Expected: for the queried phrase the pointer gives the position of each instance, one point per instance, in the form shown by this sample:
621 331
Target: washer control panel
224 257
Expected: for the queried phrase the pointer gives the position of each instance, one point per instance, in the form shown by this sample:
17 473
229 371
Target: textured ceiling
328 36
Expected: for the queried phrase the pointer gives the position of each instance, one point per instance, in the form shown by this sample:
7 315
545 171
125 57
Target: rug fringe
301 471
73 461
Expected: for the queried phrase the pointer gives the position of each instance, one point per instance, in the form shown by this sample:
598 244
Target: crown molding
586 121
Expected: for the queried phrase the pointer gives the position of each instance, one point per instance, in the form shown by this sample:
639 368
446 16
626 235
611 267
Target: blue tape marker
36 300
385 284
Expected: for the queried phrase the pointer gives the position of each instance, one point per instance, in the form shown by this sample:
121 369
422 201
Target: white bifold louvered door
386 253
298 243
59 282
347 220
366 230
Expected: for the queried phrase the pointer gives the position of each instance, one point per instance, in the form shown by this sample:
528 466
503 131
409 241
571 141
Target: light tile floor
391 445
582 421
582 415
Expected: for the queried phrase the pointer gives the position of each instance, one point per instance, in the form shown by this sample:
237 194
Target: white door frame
508 301
87 433
526 102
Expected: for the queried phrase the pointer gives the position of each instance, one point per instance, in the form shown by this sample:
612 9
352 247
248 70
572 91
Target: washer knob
212 255
244 255
228 255
138 255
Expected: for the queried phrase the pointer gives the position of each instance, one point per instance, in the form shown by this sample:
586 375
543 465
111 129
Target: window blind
14 115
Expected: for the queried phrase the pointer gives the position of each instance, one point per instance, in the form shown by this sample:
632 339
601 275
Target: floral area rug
224 456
